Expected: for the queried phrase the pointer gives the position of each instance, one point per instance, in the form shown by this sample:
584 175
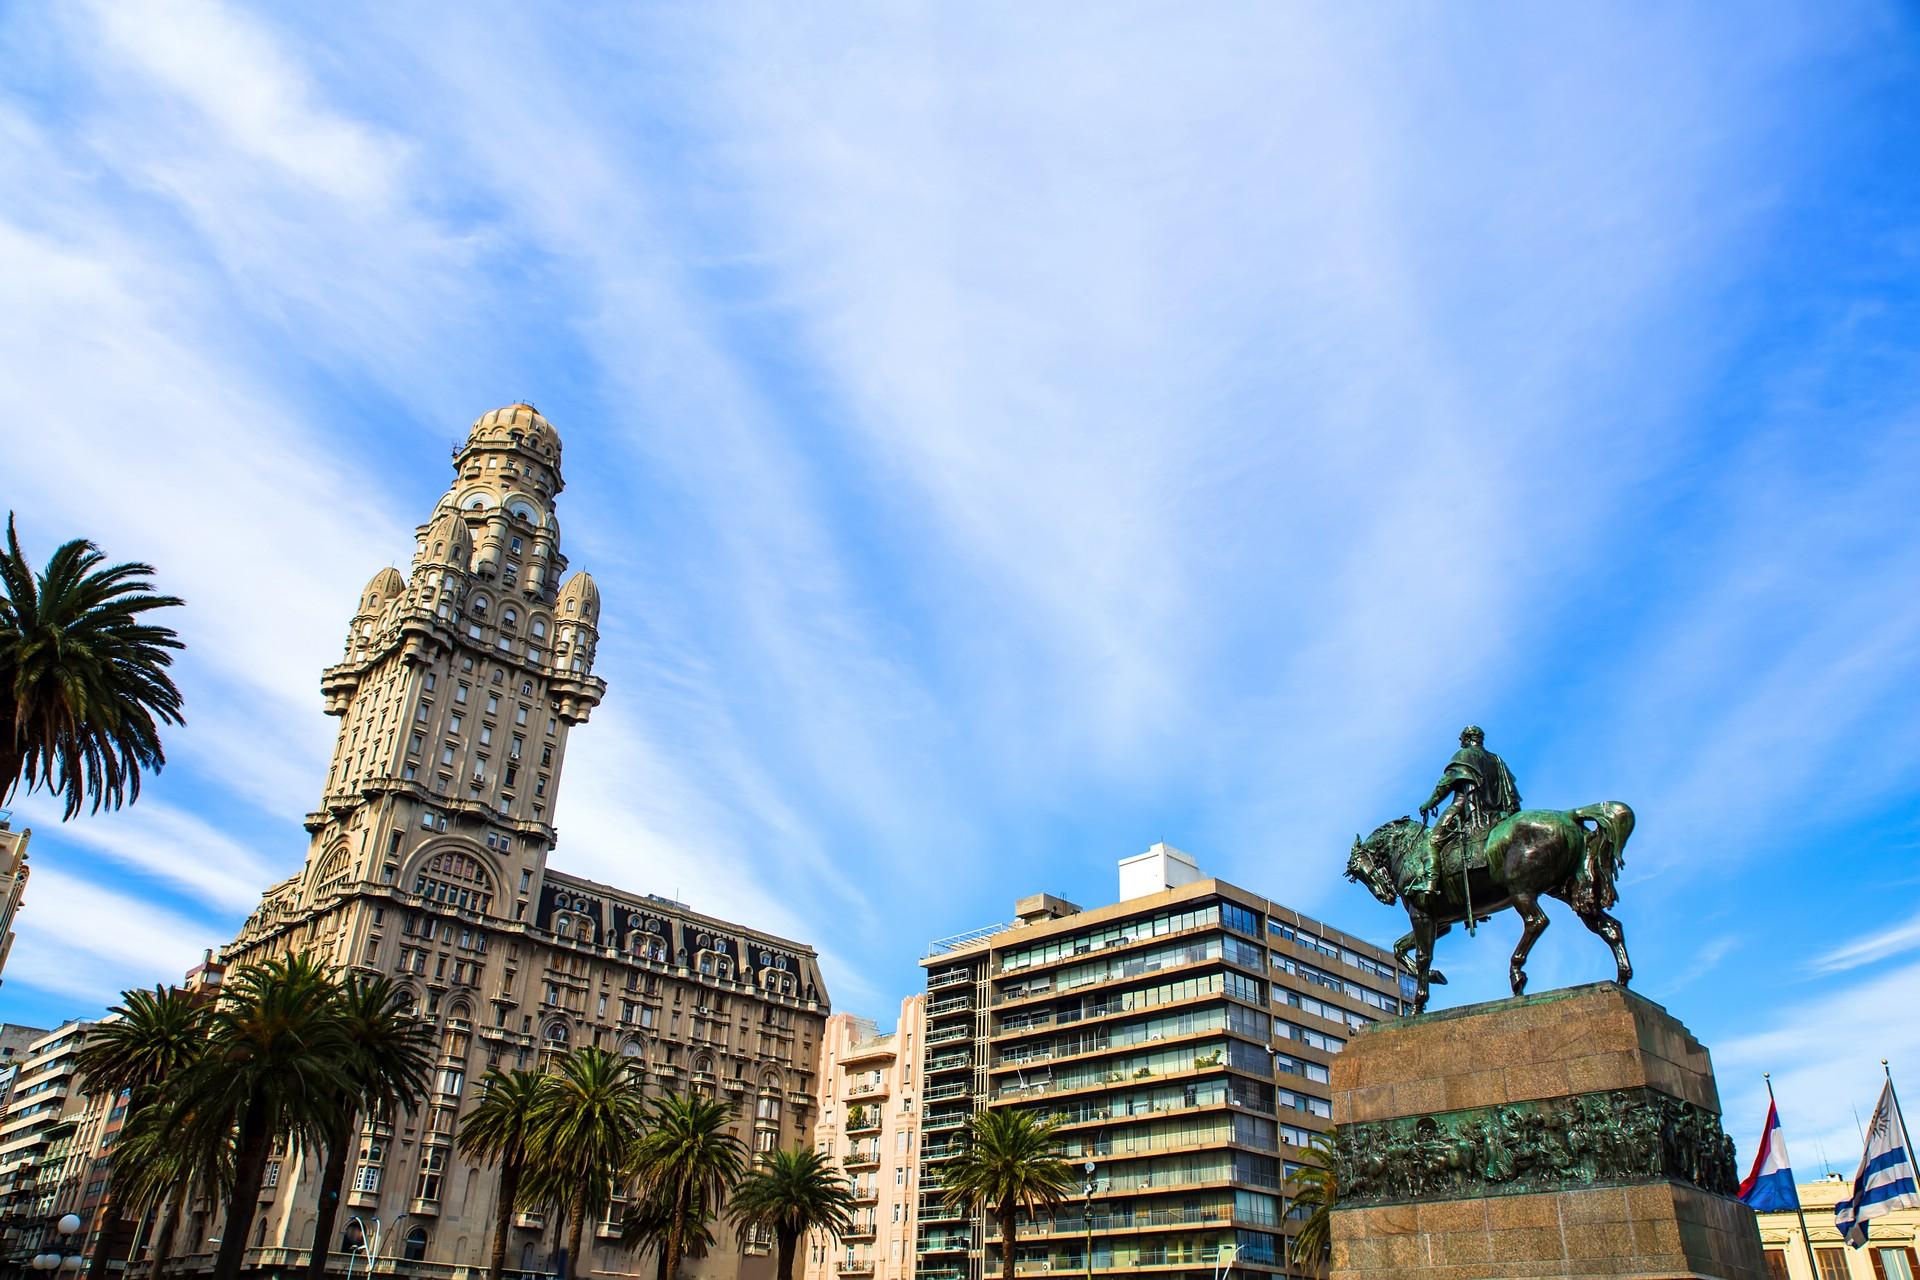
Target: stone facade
1497 1109
13 880
459 686
1892 1251
870 1123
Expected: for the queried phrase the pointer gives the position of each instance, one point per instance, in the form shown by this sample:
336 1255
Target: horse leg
1616 939
1434 976
1535 924
1400 950
1422 958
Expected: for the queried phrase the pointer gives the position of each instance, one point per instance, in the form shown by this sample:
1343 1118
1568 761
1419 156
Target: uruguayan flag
1886 1179
1770 1186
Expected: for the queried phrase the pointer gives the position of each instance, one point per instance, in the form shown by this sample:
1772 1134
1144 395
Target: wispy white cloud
85 943
1897 940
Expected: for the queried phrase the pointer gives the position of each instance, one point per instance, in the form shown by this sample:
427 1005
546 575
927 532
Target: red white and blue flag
1770 1185
1887 1179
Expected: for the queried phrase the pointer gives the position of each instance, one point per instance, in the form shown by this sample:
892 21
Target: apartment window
415 744
546 757
493 703
433 1163
423 711
520 716
461 691
453 724
452 1079
429 682
540 789
1891 1264
446 754
486 735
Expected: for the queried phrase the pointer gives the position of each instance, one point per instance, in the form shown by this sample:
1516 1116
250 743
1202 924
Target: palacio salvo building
429 861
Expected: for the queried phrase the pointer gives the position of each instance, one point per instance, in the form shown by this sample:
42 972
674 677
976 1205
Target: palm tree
497 1131
276 1065
1011 1160
143 1042
646 1224
589 1111
792 1192
1316 1187
389 1059
158 1162
83 679
683 1166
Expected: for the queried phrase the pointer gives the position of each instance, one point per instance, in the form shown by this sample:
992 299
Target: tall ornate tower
428 863
458 687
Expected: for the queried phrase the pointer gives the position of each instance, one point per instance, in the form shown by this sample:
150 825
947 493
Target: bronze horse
1573 855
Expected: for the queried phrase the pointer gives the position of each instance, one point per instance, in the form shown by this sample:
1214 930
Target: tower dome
384 586
448 543
520 424
579 600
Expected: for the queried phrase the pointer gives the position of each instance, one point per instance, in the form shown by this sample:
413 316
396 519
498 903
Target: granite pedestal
1571 1133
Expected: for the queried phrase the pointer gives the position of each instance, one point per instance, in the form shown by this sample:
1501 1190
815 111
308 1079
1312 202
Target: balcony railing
855 1266
949 1062
952 1004
950 978
861 1159
941 1092
947 1035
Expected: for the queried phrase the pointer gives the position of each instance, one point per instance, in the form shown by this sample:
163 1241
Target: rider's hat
1473 731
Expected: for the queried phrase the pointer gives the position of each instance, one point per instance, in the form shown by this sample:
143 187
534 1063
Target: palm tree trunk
249 1170
785 1241
503 1217
1007 1211
169 1223
327 1212
670 1248
560 1239
103 1218
575 1230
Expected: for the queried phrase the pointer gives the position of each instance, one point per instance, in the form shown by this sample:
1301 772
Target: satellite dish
1091 1166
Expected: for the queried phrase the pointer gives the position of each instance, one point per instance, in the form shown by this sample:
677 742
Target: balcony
869 1089
941 1151
858 1159
854 1266
948 978
947 1035
945 1243
867 1194
942 1092
962 1061
951 1005
950 1120
863 1119
860 1231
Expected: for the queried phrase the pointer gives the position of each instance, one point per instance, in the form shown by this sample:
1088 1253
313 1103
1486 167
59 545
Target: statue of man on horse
1487 854
1483 792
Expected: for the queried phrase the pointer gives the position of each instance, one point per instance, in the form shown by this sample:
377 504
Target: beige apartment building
42 1144
13 880
1182 1035
461 682
870 1122
1892 1251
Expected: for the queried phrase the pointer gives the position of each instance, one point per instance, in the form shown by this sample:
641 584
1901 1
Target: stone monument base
1572 1133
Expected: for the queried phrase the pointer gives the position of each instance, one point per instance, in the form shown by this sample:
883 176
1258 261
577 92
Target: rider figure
1483 793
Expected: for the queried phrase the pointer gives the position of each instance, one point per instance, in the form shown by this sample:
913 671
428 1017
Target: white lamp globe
69 1223
72 1262
45 1261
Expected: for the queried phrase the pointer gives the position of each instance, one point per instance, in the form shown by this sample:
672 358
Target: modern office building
460 685
1181 1034
1892 1251
870 1122
13 880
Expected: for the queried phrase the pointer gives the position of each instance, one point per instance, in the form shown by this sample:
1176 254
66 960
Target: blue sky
1007 436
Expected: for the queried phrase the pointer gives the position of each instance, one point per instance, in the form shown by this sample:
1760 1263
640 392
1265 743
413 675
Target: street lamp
1227 1254
1086 1215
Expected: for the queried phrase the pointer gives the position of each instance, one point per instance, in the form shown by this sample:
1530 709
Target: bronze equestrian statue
1487 854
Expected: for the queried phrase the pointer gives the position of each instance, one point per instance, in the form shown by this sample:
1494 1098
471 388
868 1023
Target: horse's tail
1606 850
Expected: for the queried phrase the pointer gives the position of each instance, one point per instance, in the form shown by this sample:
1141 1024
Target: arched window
480 605
416 1245
539 628
508 617
457 880
335 870
556 1033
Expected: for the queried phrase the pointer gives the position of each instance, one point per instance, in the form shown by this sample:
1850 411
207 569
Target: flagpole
1896 1101
1806 1236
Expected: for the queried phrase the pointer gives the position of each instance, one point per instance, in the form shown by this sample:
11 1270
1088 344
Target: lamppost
1227 1254
1086 1216
67 1224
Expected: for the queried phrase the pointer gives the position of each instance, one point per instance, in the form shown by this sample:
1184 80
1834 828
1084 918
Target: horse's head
1371 861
